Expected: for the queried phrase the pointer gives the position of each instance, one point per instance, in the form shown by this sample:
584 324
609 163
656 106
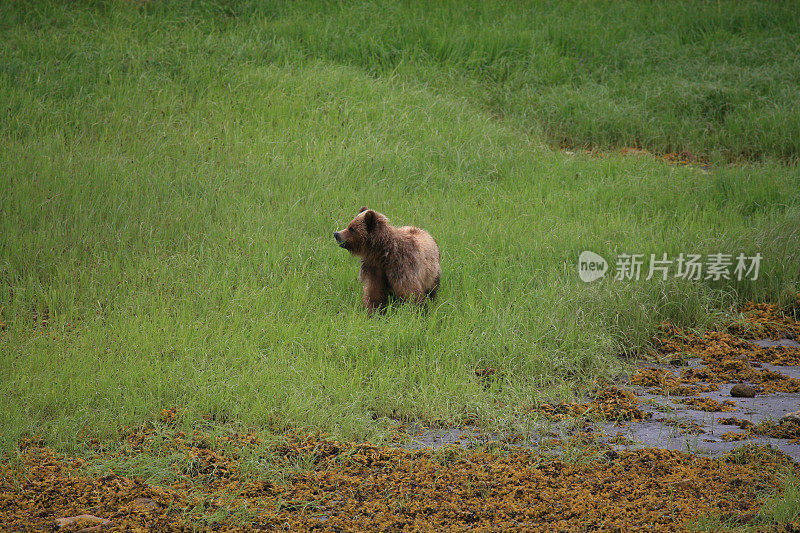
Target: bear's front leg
376 289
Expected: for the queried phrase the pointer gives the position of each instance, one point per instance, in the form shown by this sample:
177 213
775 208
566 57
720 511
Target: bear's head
361 232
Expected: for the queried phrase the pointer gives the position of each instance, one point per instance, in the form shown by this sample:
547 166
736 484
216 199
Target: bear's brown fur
401 261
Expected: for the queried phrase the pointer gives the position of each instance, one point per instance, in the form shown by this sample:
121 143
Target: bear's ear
362 210
370 219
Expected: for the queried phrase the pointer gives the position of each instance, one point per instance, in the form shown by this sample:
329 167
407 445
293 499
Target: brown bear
401 261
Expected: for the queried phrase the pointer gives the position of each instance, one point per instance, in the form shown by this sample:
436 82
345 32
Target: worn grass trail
171 175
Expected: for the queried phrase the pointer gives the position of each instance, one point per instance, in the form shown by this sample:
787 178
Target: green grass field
171 174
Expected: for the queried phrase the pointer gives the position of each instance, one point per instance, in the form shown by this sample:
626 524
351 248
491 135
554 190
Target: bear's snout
338 237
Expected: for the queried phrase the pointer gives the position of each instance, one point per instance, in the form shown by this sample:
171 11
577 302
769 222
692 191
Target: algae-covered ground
170 176
349 487
586 470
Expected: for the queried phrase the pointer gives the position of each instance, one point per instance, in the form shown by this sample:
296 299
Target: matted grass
171 174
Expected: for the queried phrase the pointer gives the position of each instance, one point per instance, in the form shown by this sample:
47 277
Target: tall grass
171 174
720 79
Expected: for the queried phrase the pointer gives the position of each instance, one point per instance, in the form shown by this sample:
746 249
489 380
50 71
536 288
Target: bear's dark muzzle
338 237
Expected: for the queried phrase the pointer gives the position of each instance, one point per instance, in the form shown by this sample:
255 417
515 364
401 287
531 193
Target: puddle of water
663 431
673 426
766 343
422 437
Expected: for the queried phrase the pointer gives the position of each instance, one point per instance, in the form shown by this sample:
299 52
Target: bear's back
428 253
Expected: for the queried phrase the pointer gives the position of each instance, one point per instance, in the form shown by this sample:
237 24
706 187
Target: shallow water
673 426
